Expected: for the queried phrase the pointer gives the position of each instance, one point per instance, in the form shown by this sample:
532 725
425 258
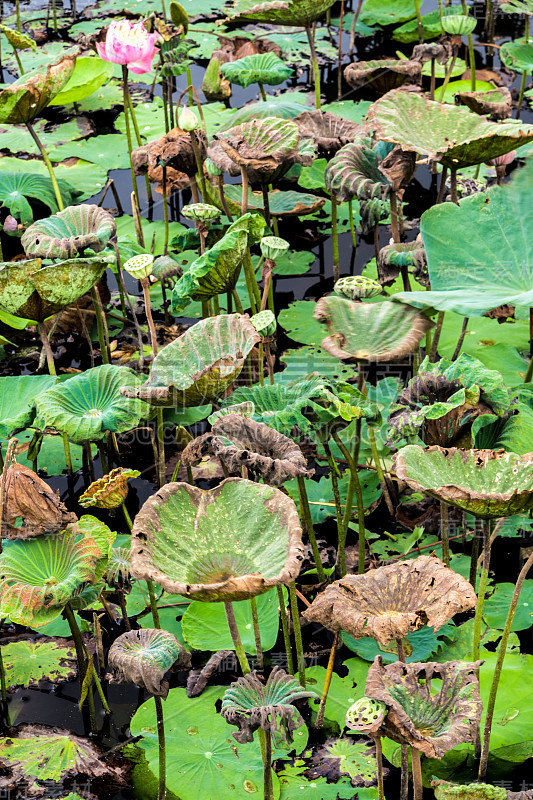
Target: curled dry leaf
192 542
238 441
143 657
31 507
110 491
69 232
329 131
392 601
495 103
394 256
398 167
383 74
198 679
174 146
431 718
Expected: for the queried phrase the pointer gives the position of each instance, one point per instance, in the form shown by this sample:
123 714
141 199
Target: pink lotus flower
128 44
501 161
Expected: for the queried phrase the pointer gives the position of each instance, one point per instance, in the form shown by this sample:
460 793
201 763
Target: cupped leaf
459 25
488 262
17 39
197 367
431 26
265 68
284 107
23 100
382 74
449 134
69 232
190 541
300 13
354 172
90 404
217 270
496 103
517 7
286 203
15 189
110 490
29 662
143 657
389 602
369 332
518 55
329 131
486 483
31 507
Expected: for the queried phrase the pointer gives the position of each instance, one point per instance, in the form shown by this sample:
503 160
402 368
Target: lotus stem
238 305
261 364
153 604
162 788
521 94
418 787
3 678
244 198
305 513
445 532
461 339
404 781
222 196
442 186
267 765
130 305
269 363
236 638
80 657
98 310
17 59
473 560
194 189
266 204
354 487
352 226
49 167
297 633
54 15
453 186
145 283
472 63
334 472
17 12
125 100
314 63
164 94
436 336
249 269
139 143
394 216
339 55
353 27
419 21
335 239
502 649
200 166
379 470
262 90
10 456
257 633
376 240
329 673
441 15
482 588
285 629
52 371
448 75
432 84
379 765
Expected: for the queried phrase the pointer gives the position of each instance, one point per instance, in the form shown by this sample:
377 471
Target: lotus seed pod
458 24
273 247
139 266
211 168
201 212
366 715
264 323
357 287
187 119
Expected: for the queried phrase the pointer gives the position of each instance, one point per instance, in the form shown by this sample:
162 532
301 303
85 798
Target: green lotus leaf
179 16
443 401
29 289
433 718
17 39
282 203
449 134
488 262
90 73
473 791
175 56
15 189
517 55
89 179
264 68
485 483
517 7
90 404
17 396
23 100
459 24
299 13
322 501
336 757
422 644
369 331
375 12
454 88
28 662
38 577
431 26
354 172
250 704
143 657
198 366
217 270
192 542
287 109
496 103
382 74
38 753
69 232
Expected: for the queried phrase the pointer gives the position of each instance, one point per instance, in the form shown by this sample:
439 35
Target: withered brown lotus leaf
143 657
495 103
431 718
238 441
398 167
410 255
110 490
392 601
31 508
174 151
382 75
329 131
440 51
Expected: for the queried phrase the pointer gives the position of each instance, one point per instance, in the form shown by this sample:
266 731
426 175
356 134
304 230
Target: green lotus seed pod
264 323
458 24
201 212
273 247
357 287
139 266
211 168
365 715
179 16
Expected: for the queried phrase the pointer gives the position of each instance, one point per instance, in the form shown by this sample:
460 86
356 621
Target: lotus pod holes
273 247
357 287
139 266
201 212
264 322
366 715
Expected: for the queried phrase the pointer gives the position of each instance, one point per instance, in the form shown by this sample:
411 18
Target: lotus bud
179 16
264 323
139 266
211 168
273 247
187 119
109 491
201 212
366 715
10 224
357 287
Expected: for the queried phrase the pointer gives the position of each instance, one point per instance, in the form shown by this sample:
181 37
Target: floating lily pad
298 13
431 26
109 151
87 178
298 321
282 203
17 139
28 662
